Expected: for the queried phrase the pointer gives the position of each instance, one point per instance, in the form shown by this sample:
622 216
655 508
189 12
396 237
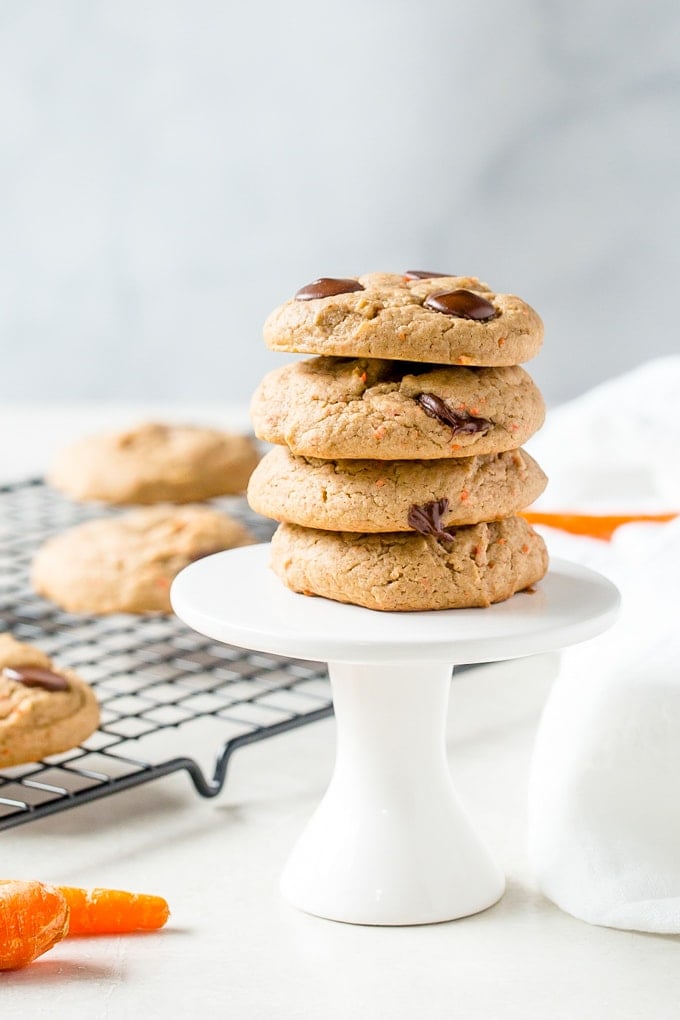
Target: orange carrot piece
595 526
113 912
33 918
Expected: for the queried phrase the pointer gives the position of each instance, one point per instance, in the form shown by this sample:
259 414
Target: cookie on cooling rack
43 710
155 463
413 316
126 564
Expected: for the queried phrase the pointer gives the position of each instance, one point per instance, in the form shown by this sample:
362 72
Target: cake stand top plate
234 597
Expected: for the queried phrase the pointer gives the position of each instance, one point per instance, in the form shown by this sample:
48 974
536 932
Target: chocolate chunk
327 287
423 274
395 371
463 304
462 423
35 676
427 519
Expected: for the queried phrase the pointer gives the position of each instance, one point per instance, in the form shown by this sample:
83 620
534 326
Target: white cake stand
390 843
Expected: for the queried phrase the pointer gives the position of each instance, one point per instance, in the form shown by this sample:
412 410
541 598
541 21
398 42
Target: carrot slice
33 918
594 525
113 911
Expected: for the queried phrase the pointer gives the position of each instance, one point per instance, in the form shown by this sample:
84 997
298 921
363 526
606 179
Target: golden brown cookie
473 566
337 408
43 709
126 564
375 496
155 463
448 320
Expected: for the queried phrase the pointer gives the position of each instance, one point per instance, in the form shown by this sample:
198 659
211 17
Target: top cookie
155 463
445 320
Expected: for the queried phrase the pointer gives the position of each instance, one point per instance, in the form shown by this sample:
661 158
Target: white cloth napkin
604 791
616 448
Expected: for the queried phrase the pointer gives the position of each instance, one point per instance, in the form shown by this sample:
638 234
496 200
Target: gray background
172 169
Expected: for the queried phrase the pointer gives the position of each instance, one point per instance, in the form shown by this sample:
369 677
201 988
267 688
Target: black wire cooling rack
158 683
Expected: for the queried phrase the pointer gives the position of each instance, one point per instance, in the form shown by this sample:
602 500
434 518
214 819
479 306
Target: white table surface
233 948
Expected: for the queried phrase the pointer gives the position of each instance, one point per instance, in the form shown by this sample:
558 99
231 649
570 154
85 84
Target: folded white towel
604 792
617 447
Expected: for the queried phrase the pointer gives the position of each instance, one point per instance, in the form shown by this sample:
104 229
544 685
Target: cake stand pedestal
390 842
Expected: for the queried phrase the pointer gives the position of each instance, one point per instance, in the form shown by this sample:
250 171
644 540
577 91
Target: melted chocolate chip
427 519
462 304
423 274
462 423
35 676
327 287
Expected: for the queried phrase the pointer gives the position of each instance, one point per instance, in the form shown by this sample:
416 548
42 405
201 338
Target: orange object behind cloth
592 525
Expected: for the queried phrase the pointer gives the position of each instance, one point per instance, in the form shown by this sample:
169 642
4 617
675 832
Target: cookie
126 564
448 320
374 496
43 709
337 408
474 566
155 463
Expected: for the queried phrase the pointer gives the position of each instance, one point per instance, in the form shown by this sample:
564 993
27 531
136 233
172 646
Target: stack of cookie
398 473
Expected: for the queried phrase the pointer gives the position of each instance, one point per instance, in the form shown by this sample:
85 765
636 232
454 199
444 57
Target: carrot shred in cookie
594 526
113 911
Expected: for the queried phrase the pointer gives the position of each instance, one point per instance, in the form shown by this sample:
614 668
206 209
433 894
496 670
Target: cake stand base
390 842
